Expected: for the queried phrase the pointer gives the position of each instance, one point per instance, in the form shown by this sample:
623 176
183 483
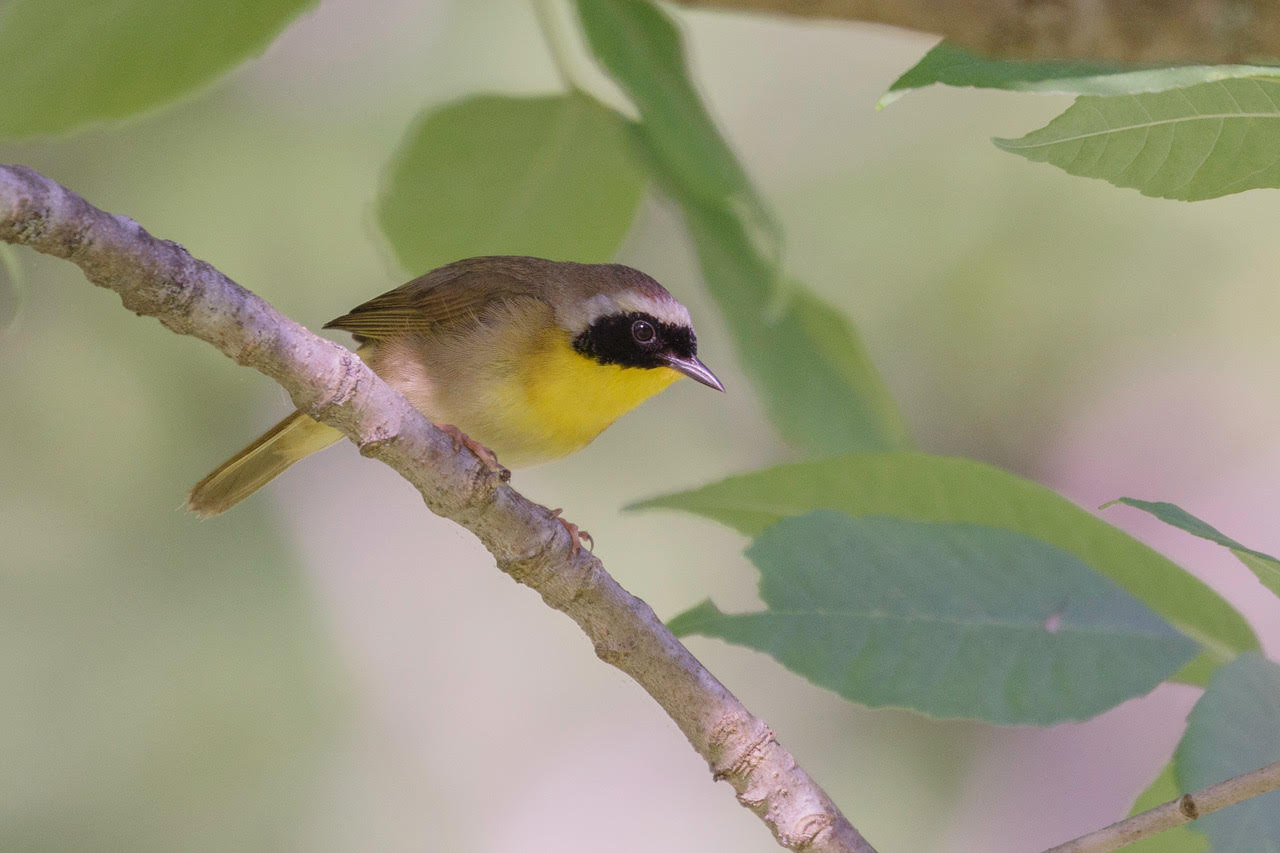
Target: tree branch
1185 809
160 279
1208 31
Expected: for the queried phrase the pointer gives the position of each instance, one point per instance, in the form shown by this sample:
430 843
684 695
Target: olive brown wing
455 294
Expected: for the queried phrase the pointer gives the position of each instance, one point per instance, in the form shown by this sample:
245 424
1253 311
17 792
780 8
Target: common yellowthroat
522 358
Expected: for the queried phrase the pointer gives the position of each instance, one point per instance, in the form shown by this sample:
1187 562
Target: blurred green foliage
68 63
817 383
814 376
549 177
183 664
641 48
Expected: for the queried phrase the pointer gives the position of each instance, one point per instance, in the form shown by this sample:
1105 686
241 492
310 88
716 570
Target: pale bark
160 279
1208 31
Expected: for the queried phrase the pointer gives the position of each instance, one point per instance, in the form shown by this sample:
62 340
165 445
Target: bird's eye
642 331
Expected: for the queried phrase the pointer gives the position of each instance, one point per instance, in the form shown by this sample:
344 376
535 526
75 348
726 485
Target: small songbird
520 358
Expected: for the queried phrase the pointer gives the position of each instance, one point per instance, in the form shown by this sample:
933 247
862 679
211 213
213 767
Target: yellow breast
568 398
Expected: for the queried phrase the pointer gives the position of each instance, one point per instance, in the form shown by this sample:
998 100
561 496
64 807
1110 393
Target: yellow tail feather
295 437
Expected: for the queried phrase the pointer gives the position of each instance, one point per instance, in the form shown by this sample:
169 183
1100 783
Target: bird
522 360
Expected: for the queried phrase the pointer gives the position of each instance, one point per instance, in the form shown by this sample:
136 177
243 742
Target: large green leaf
953 620
1193 143
552 177
68 63
952 65
1180 839
816 381
1235 728
1265 566
932 488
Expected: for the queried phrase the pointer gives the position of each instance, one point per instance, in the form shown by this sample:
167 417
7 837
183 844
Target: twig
1185 809
160 279
1209 31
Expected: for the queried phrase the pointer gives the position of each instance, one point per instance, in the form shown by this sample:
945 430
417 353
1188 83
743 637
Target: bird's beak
696 370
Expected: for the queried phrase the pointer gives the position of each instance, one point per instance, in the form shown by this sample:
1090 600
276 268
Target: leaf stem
549 22
10 281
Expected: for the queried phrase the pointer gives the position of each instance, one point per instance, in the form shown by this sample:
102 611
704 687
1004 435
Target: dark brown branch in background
158 278
1208 31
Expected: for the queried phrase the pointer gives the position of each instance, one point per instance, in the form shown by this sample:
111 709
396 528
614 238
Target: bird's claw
486 456
576 533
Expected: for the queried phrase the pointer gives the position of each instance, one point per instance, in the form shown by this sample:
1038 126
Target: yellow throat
570 398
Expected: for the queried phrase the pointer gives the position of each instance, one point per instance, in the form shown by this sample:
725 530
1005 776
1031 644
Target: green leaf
953 620
1266 567
815 379
1235 728
1194 143
640 47
921 487
1180 839
817 382
552 177
68 63
954 66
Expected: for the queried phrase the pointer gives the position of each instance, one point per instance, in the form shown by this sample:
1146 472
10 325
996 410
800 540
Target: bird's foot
576 533
486 456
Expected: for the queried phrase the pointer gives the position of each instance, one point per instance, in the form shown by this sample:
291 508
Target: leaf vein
1013 144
